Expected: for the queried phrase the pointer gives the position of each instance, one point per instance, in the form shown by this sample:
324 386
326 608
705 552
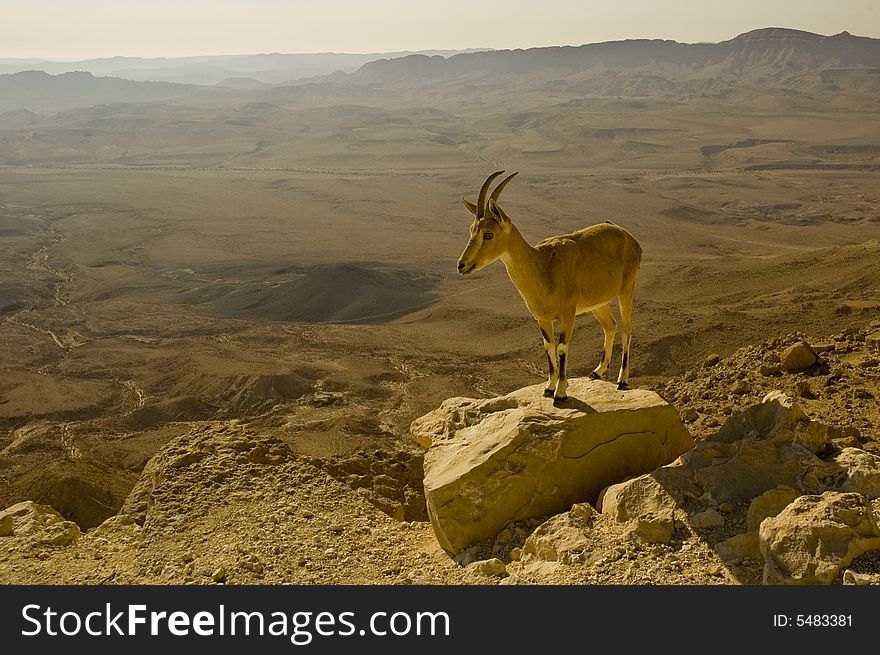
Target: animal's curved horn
471 207
500 187
481 201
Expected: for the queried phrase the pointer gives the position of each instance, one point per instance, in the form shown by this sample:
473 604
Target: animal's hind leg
625 301
609 328
550 347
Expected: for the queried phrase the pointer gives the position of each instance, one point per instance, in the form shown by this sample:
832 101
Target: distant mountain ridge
39 91
268 68
786 50
780 61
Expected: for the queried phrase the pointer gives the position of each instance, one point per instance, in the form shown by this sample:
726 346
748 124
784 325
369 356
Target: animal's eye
487 235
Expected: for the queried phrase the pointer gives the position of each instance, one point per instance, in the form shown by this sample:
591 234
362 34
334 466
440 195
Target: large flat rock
493 461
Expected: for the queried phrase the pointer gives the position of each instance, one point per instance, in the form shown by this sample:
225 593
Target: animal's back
597 240
595 263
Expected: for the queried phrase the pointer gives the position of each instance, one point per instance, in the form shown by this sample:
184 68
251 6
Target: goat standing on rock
559 278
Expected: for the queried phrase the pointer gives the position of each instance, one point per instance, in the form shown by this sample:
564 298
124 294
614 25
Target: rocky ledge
505 459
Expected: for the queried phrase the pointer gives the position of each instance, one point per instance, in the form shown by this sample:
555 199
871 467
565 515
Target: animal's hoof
594 376
559 400
548 393
622 386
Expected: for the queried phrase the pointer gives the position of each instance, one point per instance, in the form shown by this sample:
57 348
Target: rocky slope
784 490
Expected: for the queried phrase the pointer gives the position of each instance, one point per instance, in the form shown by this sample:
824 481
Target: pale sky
80 29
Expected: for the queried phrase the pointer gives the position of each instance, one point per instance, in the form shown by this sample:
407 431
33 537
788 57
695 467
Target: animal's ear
498 213
471 207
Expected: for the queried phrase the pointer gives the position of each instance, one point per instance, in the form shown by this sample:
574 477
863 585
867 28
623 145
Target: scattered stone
740 387
798 357
496 461
707 519
739 547
777 418
711 360
769 504
689 415
850 577
219 574
853 469
773 358
561 535
40 522
812 539
823 347
489 567
63 533
6 526
803 390
653 528
727 508
644 506
516 554
769 370
511 580
639 497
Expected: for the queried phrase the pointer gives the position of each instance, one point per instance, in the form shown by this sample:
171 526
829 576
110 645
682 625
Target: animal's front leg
550 348
566 327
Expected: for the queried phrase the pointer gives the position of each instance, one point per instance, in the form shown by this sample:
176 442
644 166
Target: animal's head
490 230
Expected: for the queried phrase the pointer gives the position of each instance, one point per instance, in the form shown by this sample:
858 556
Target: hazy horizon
88 29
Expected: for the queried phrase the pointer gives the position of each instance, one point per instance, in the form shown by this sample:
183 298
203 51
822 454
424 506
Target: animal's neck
521 261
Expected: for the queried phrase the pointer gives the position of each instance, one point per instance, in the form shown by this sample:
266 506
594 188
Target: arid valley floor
279 264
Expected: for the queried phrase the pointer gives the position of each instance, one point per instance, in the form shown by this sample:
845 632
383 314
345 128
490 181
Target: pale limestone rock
489 567
769 504
561 535
637 497
860 579
41 522
28 516
59 534
653 528
644 505
776 418
853 469
739 546
753 467
6 526
815 537
798 357
504 459
760 449
768 445
710 518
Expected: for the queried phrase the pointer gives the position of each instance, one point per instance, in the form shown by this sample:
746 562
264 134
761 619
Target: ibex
559 278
